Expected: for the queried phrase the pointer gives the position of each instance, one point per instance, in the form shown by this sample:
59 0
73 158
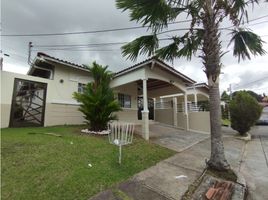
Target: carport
155 80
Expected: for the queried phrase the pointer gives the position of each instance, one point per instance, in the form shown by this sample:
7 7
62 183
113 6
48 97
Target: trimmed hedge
245 111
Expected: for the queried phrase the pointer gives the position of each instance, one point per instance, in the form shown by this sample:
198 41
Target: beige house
148 92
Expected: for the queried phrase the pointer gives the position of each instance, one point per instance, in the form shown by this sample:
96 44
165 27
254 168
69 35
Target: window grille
81 87
124 100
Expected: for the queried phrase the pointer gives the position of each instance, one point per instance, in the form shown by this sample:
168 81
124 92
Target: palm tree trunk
217 157
211 61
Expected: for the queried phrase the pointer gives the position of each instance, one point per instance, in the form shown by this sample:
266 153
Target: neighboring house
148 91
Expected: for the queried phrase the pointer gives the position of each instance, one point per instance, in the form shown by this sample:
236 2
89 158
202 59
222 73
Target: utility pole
1 63
231 93
230 90
29 52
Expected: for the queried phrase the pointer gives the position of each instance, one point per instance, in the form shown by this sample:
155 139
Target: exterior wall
129 89
163 91
160 74
181 117
164 116
5 115
138 74
199 121
7 85
59 96
128 115
61 114
63 92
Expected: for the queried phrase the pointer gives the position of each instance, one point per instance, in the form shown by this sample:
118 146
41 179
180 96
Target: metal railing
164 104
193 107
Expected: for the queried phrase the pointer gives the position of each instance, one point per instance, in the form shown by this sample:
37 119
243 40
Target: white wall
199 121
7 85
164 116
128 114
63 92
58 93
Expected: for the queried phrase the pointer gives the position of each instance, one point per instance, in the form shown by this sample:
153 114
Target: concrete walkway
161 182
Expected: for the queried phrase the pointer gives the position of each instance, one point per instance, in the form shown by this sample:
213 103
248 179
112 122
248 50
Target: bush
98 103
245 111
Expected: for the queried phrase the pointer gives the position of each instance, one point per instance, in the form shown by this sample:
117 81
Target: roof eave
64 63
158 62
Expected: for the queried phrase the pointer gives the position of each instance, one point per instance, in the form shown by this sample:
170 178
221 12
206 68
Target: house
148 92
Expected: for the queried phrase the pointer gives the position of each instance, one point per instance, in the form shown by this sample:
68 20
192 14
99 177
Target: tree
97 101
225 97
256 96
245 111
202 37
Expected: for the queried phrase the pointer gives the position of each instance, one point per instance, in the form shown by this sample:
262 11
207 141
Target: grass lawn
39 166
225 122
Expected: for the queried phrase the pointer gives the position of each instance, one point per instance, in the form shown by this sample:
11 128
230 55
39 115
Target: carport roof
152 61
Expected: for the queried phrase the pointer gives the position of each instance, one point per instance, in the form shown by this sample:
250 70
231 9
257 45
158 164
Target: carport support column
186 112
145 112
175 116
195 99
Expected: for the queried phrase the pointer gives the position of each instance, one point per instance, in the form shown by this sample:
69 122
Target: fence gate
28 103
150 108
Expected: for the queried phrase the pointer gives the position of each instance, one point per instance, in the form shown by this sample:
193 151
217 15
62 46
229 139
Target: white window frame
124 100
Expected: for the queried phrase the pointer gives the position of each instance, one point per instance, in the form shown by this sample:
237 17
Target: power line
246 84
81 45
90 45
96 50
85 32
121 43
105 30
257 18
85 47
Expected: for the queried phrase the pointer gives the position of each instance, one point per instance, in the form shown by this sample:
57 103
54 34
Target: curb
240 188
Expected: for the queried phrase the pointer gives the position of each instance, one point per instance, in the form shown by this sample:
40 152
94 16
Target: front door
28 103
150 108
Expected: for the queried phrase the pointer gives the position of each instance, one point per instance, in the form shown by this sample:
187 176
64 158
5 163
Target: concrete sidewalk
254 162
161 182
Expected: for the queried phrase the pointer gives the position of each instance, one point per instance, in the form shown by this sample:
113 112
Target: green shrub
98 103
245 111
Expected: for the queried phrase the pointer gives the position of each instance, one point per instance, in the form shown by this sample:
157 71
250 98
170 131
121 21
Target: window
81 87
124 100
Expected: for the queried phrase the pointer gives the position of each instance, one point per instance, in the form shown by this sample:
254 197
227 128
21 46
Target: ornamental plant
245 111
98 103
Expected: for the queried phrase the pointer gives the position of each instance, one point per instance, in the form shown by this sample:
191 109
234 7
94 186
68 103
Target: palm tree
97 101
202 37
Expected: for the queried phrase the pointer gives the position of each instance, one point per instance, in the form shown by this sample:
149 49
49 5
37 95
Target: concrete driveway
172 138
250 158
162 182
254 164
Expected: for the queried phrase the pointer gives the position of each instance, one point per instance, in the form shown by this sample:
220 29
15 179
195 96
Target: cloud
52 16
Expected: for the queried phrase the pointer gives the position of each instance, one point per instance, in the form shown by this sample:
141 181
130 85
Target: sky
61 16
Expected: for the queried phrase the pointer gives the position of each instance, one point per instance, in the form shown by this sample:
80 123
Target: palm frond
246 42
153 13
191 44
168 52
140 46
